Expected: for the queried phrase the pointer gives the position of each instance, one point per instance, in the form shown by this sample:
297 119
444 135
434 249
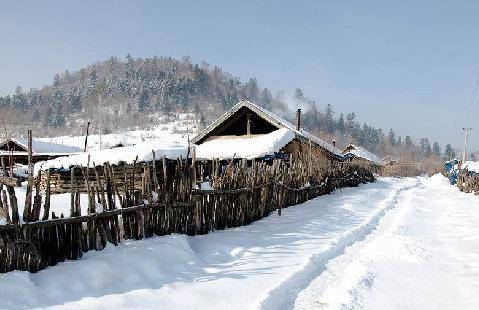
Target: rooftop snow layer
361 152
41 147
471 166
245 147
278 121
141 152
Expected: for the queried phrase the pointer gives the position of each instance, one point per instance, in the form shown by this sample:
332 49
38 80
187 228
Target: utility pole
466 133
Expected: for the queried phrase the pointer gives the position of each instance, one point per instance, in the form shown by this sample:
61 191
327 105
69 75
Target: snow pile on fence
127 154
245 147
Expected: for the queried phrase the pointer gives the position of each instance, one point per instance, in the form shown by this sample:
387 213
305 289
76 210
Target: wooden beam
9 181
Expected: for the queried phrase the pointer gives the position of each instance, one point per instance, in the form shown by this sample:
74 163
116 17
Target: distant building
358 154
15 151
250 131
389 160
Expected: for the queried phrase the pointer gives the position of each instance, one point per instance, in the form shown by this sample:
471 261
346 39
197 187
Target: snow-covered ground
410 243
175 130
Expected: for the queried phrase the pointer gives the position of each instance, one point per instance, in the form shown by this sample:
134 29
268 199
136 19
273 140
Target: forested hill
129 93
135 86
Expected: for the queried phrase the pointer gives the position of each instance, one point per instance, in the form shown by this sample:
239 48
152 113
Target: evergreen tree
350 122
56 80
329 119
341 124
408 142
399 141
436 149
143 101
449 152
298 94
392 137
266 98
252 91
425 147
314 116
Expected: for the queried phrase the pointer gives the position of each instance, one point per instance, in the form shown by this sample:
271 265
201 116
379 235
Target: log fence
143 199
468 181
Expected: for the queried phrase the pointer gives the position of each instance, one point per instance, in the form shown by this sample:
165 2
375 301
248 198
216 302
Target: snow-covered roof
471 166
127 154
361 152
272 118
245 147
41 147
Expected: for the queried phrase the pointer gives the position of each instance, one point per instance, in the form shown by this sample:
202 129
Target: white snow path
278 262
423 255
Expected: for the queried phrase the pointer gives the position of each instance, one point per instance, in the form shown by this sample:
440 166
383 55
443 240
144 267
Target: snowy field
174 130
410 243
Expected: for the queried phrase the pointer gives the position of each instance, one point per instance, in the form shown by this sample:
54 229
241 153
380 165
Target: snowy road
396 244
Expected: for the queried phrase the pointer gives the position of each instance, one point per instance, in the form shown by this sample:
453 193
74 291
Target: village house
252 132
359 155
15 151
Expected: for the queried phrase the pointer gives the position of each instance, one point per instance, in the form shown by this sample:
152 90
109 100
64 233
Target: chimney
298 119
334 143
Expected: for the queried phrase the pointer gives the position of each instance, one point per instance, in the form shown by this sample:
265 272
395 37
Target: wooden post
164 169
46 206
193 165
155 176
11 196
86 136
28 195
37 200
72 192
3 209
248 123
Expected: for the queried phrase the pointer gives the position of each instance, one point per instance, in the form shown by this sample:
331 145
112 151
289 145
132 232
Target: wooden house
252 132
15 151
390 161
359 155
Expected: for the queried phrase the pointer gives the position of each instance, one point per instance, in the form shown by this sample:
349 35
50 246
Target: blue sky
409 65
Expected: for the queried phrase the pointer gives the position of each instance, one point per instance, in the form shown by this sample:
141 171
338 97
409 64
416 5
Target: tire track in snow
284 295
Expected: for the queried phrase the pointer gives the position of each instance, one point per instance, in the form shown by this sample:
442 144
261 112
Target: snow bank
245 147
142 151
437 180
